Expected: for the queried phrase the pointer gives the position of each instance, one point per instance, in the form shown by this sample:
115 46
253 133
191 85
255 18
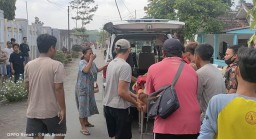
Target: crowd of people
202 90
13 59
211 105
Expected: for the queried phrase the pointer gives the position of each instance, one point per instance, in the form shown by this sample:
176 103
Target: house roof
230 21
248 5
244 30
236 19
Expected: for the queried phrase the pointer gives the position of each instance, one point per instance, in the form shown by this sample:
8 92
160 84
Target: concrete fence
19 28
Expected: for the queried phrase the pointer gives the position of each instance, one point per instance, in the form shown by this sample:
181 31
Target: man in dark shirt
17 63
231 60
24 48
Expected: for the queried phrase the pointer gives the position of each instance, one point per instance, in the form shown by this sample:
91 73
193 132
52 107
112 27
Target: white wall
20 28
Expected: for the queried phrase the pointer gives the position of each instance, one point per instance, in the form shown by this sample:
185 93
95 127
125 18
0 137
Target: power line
55 5
118 10
127 7
58 4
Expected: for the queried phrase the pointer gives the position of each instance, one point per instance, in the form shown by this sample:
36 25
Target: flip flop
89 125
85 132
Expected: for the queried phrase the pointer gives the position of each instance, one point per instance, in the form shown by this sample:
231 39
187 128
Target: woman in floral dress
84 90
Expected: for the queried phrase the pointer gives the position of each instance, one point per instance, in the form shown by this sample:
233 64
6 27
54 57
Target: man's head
203 54
13 40
46 44
123 47
9 44
190 50
172 47
16 47
231 54
246 65
25 39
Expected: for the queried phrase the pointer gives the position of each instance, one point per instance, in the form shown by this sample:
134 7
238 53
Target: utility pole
135 14
27 9
68 31
118 10
27 18
76 15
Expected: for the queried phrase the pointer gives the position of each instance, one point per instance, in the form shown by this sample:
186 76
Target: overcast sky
54 12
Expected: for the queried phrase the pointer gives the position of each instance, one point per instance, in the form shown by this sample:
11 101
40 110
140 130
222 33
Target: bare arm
104 67
4 57
27 86
59 90
123 92
60 96
134 79
87 67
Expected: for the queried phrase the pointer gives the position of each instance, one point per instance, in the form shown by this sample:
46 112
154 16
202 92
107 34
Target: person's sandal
85 132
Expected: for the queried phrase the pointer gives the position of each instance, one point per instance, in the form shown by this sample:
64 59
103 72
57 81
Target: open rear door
132 26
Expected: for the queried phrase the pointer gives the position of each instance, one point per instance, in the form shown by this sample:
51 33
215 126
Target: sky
54 12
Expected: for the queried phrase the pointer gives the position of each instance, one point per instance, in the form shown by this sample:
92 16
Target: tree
252 14
201 15
162 9
37 21
81 33
230 2
103 35
84 9
8 6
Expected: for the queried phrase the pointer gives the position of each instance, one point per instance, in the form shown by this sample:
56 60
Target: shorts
118 122
171 136
40 127
3 70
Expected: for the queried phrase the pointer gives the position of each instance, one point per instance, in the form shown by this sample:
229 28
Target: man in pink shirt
185 121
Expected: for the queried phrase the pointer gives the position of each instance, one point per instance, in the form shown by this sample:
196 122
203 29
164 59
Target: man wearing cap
118 98
185 121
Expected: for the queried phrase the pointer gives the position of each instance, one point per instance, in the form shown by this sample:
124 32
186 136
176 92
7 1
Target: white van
146 37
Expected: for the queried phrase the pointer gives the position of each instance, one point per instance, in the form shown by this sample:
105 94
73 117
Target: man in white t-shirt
118 98
8 50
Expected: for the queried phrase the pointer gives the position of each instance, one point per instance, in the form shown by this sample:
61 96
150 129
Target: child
17 63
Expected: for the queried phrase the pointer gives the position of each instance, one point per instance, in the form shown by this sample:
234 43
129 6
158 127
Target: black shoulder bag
164 101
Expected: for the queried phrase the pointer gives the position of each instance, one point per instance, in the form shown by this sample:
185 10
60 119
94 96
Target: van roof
143 26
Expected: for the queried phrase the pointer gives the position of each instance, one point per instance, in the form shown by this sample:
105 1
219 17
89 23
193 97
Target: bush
60 56
68 56
77 48
14 92
75 54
